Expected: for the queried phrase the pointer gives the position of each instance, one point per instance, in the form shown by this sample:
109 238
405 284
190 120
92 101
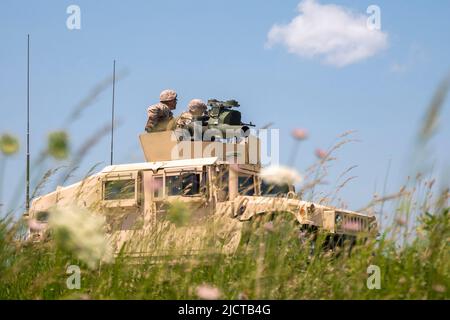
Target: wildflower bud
321 154
242 296
269 226
439 288
299 134
58 145
400 221
9 144
207 292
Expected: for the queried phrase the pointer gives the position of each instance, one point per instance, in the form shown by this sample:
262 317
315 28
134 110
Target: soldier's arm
183 120
153 115
179 122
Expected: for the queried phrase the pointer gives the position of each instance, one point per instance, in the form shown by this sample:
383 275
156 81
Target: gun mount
221 121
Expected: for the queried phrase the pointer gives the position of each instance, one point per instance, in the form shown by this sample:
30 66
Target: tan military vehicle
217 180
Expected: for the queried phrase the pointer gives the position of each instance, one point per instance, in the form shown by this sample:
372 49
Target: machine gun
220 121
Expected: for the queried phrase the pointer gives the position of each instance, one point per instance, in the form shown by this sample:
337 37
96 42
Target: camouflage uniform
196 108
160 117
184 120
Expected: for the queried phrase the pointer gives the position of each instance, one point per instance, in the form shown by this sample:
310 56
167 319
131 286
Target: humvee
219 184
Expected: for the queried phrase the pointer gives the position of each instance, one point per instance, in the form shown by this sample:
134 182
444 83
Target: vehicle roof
160 164
145 166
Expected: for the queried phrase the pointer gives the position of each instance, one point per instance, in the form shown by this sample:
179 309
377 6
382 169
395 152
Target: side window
42 216
246 185
224 179
190 184
119 189
187 184
204 182
221 180
157 186
173 185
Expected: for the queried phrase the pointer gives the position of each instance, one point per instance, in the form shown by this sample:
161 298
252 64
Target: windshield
273 190
246 186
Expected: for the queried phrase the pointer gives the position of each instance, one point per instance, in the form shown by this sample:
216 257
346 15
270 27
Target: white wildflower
280 175
439 288
81 232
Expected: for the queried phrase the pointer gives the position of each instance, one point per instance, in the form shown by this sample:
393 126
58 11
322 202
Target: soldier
160 114
196 108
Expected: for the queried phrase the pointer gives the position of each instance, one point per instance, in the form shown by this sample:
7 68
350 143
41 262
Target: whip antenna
112 112
28 128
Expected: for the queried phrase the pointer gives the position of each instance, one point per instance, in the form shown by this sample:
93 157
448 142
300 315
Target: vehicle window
273 190
119 189
183 185
157 186
42 216
191 184
173 185
224 181
246 186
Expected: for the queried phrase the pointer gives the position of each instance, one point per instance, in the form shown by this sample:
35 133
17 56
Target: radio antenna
112 112
28 128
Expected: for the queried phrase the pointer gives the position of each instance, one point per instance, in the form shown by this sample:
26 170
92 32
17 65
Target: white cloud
332 33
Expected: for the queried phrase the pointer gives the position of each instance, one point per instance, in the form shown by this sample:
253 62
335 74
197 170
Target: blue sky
217 49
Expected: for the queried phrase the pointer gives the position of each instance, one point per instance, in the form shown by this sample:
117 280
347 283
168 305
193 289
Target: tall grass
275 264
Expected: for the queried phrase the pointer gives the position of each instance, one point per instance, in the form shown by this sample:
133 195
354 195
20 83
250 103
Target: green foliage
178 213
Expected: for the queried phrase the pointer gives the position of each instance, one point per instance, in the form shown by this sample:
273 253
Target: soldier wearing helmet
160 116
196 108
